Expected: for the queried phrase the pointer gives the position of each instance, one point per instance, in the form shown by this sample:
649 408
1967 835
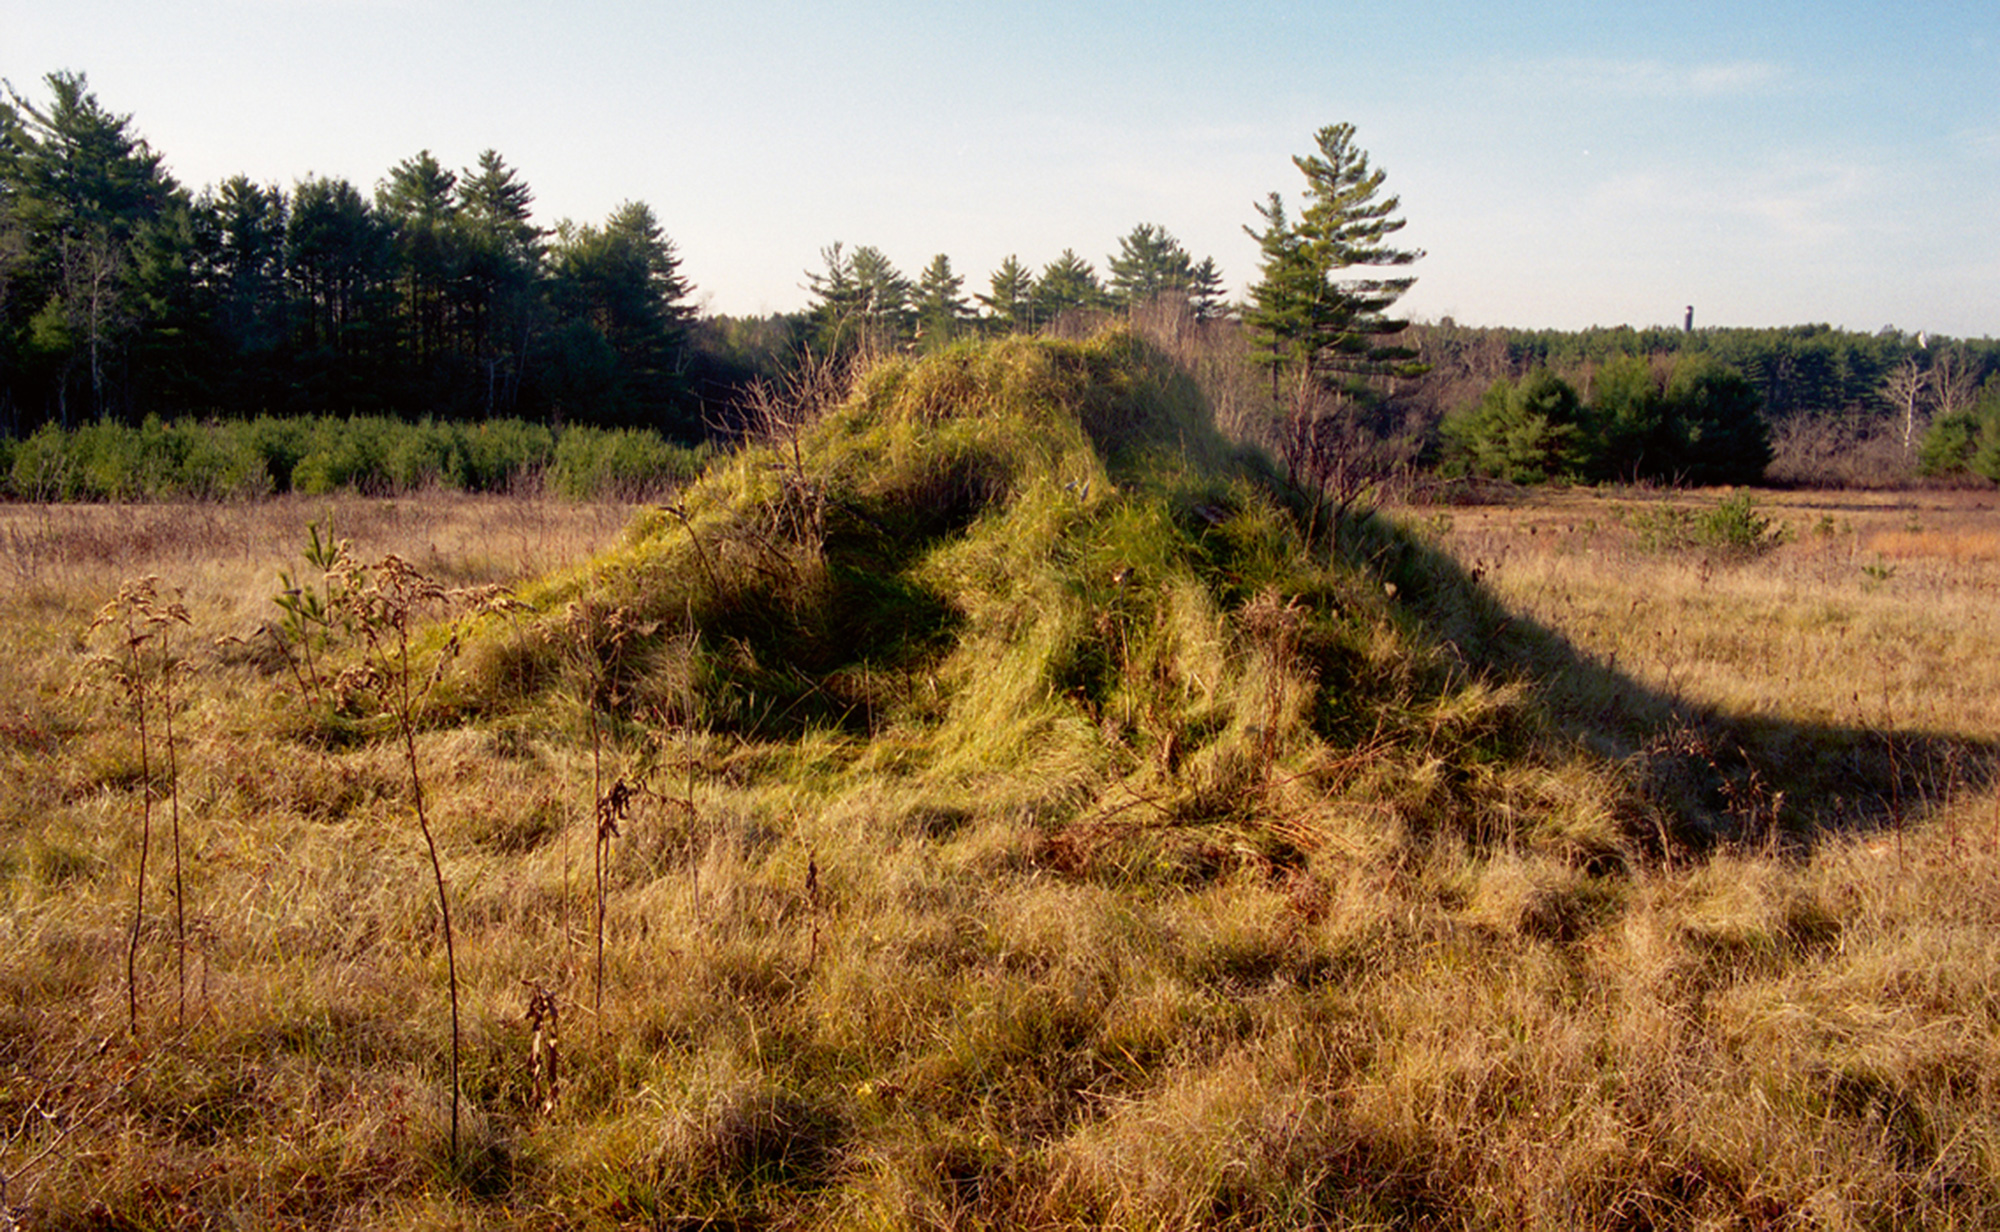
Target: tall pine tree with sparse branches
1324 329
1314 320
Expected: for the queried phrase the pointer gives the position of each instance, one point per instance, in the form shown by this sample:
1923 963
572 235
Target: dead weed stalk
384 604
141 664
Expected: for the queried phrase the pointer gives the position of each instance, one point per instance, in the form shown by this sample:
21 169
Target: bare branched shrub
383 607
1838 451
141 664
1215 354
1344 451
779 415
779 412
1689 771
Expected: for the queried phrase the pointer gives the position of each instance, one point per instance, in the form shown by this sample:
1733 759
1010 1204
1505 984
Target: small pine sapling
312 614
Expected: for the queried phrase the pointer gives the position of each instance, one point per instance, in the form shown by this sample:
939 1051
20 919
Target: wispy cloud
1803 203
1979 142
1740 77
1640 79
1811 205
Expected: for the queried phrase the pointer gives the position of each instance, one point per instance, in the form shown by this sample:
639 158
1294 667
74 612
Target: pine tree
941 307
500 278
494 200
864 302
1325 332
1309 314
338 262
1205 291
229 334
1067 284
420 202
249 261
834 317
77 189
887 315
1150 263
1010 307
619 288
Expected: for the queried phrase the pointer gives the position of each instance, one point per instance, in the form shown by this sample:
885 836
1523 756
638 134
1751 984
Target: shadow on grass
1727 779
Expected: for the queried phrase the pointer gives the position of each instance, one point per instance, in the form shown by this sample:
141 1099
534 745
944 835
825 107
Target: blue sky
1563 164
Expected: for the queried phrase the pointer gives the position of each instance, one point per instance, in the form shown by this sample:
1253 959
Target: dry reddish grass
233 551
1879 611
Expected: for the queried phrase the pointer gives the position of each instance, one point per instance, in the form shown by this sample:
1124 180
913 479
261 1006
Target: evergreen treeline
1836 406
1796 370
1687 421
124 294
863 304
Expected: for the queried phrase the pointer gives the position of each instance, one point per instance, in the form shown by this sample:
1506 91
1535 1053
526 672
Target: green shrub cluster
1694 423
106 461
1736 527
1967 441
623 462
184 459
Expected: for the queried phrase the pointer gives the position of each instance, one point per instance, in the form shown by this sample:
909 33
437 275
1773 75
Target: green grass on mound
1034 567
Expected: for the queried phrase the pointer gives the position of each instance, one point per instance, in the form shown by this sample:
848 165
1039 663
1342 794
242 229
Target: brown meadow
840 991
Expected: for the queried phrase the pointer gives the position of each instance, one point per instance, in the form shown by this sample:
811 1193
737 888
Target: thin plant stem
145 846
174 797
383 601
597 846
406 718
136 617
569 938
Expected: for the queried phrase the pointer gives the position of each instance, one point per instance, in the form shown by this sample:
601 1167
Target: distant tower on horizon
1688 327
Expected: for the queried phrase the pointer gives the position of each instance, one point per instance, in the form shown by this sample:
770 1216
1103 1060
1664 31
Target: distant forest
125 295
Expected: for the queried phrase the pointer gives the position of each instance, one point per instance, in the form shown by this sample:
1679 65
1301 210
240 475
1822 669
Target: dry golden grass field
1261 961
1877 610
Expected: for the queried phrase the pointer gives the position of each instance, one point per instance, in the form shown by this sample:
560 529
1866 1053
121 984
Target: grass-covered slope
1034 568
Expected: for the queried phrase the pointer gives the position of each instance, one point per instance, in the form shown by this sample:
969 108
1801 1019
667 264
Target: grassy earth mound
1033 573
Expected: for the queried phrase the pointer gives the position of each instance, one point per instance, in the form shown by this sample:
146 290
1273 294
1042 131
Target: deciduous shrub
618 462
